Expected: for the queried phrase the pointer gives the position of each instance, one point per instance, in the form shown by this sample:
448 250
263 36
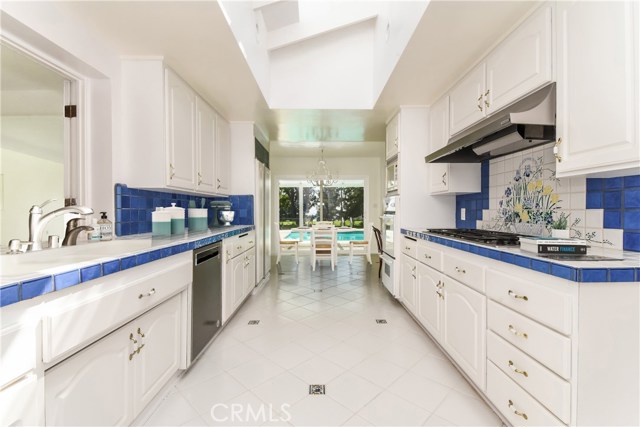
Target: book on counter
553 245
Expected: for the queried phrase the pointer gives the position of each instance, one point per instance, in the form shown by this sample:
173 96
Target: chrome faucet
73 230
38 222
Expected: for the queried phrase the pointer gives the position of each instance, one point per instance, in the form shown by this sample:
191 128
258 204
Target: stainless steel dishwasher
206 313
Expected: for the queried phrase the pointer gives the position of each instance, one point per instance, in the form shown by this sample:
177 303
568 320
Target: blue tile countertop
627 270
52 270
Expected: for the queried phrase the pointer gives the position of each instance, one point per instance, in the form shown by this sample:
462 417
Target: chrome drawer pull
516 370
141 333
460 270
517 333
520 414
151 292
516 296
440 295
427 256
131 338
440 284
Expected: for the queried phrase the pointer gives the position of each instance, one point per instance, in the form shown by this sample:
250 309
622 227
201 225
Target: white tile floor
319 328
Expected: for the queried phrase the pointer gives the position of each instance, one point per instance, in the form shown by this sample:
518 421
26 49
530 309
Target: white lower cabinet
408 282
19 403
112 380
239 272
430 300
94 386
453 313
158 332
463 329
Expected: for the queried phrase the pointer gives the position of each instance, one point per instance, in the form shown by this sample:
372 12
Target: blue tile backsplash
134 207
520 192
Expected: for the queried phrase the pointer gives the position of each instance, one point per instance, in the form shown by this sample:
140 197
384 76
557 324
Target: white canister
160 223
177 218
198 219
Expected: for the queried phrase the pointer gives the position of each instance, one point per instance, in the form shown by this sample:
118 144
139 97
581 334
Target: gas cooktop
487 237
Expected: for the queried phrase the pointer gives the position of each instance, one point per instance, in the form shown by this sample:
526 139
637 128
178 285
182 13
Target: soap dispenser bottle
106 227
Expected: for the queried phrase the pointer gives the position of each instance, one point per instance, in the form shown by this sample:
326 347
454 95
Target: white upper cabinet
598 86
181 141
206 146
521 63
393 141
466 103
446 178
170 129
223 156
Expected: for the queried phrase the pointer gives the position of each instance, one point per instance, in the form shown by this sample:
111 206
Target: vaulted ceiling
197 41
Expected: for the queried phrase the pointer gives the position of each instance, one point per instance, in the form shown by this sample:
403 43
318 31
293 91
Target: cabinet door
429 299
159 333
223 155
238 266
521 63
93 387
438 138
466 103
250 278
206 143
408 282
597 86
463 334
21 404
180 133
392 138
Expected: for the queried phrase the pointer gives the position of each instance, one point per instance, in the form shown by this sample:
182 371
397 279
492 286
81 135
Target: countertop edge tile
31 286
601 274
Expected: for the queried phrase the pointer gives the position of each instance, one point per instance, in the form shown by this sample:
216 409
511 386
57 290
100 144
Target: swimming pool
343 236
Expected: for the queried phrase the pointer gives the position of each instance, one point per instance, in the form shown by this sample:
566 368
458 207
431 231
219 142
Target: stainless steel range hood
525 124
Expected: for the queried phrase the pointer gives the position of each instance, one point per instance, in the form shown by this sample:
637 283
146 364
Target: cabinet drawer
240 243
546 346
430 256
102 312
17 351
467 272
549 389
518 407
545 305
409 247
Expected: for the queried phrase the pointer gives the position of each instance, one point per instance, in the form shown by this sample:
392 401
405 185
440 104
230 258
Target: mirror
33 147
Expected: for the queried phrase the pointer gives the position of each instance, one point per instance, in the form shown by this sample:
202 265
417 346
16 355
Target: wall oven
392 176
387 273
388 224
388 231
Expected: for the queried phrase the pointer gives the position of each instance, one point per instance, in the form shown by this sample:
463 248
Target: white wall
338 64
26 180
371 169
49 31
402 18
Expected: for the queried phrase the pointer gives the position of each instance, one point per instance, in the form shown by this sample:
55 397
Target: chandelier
321 176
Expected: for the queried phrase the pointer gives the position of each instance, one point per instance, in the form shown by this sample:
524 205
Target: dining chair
378 235
361 247
324 246
286 246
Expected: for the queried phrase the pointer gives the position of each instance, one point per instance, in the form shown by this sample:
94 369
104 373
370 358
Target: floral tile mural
525 196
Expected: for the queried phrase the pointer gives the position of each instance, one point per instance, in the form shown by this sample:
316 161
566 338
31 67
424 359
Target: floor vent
316 389
381 321
254 322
